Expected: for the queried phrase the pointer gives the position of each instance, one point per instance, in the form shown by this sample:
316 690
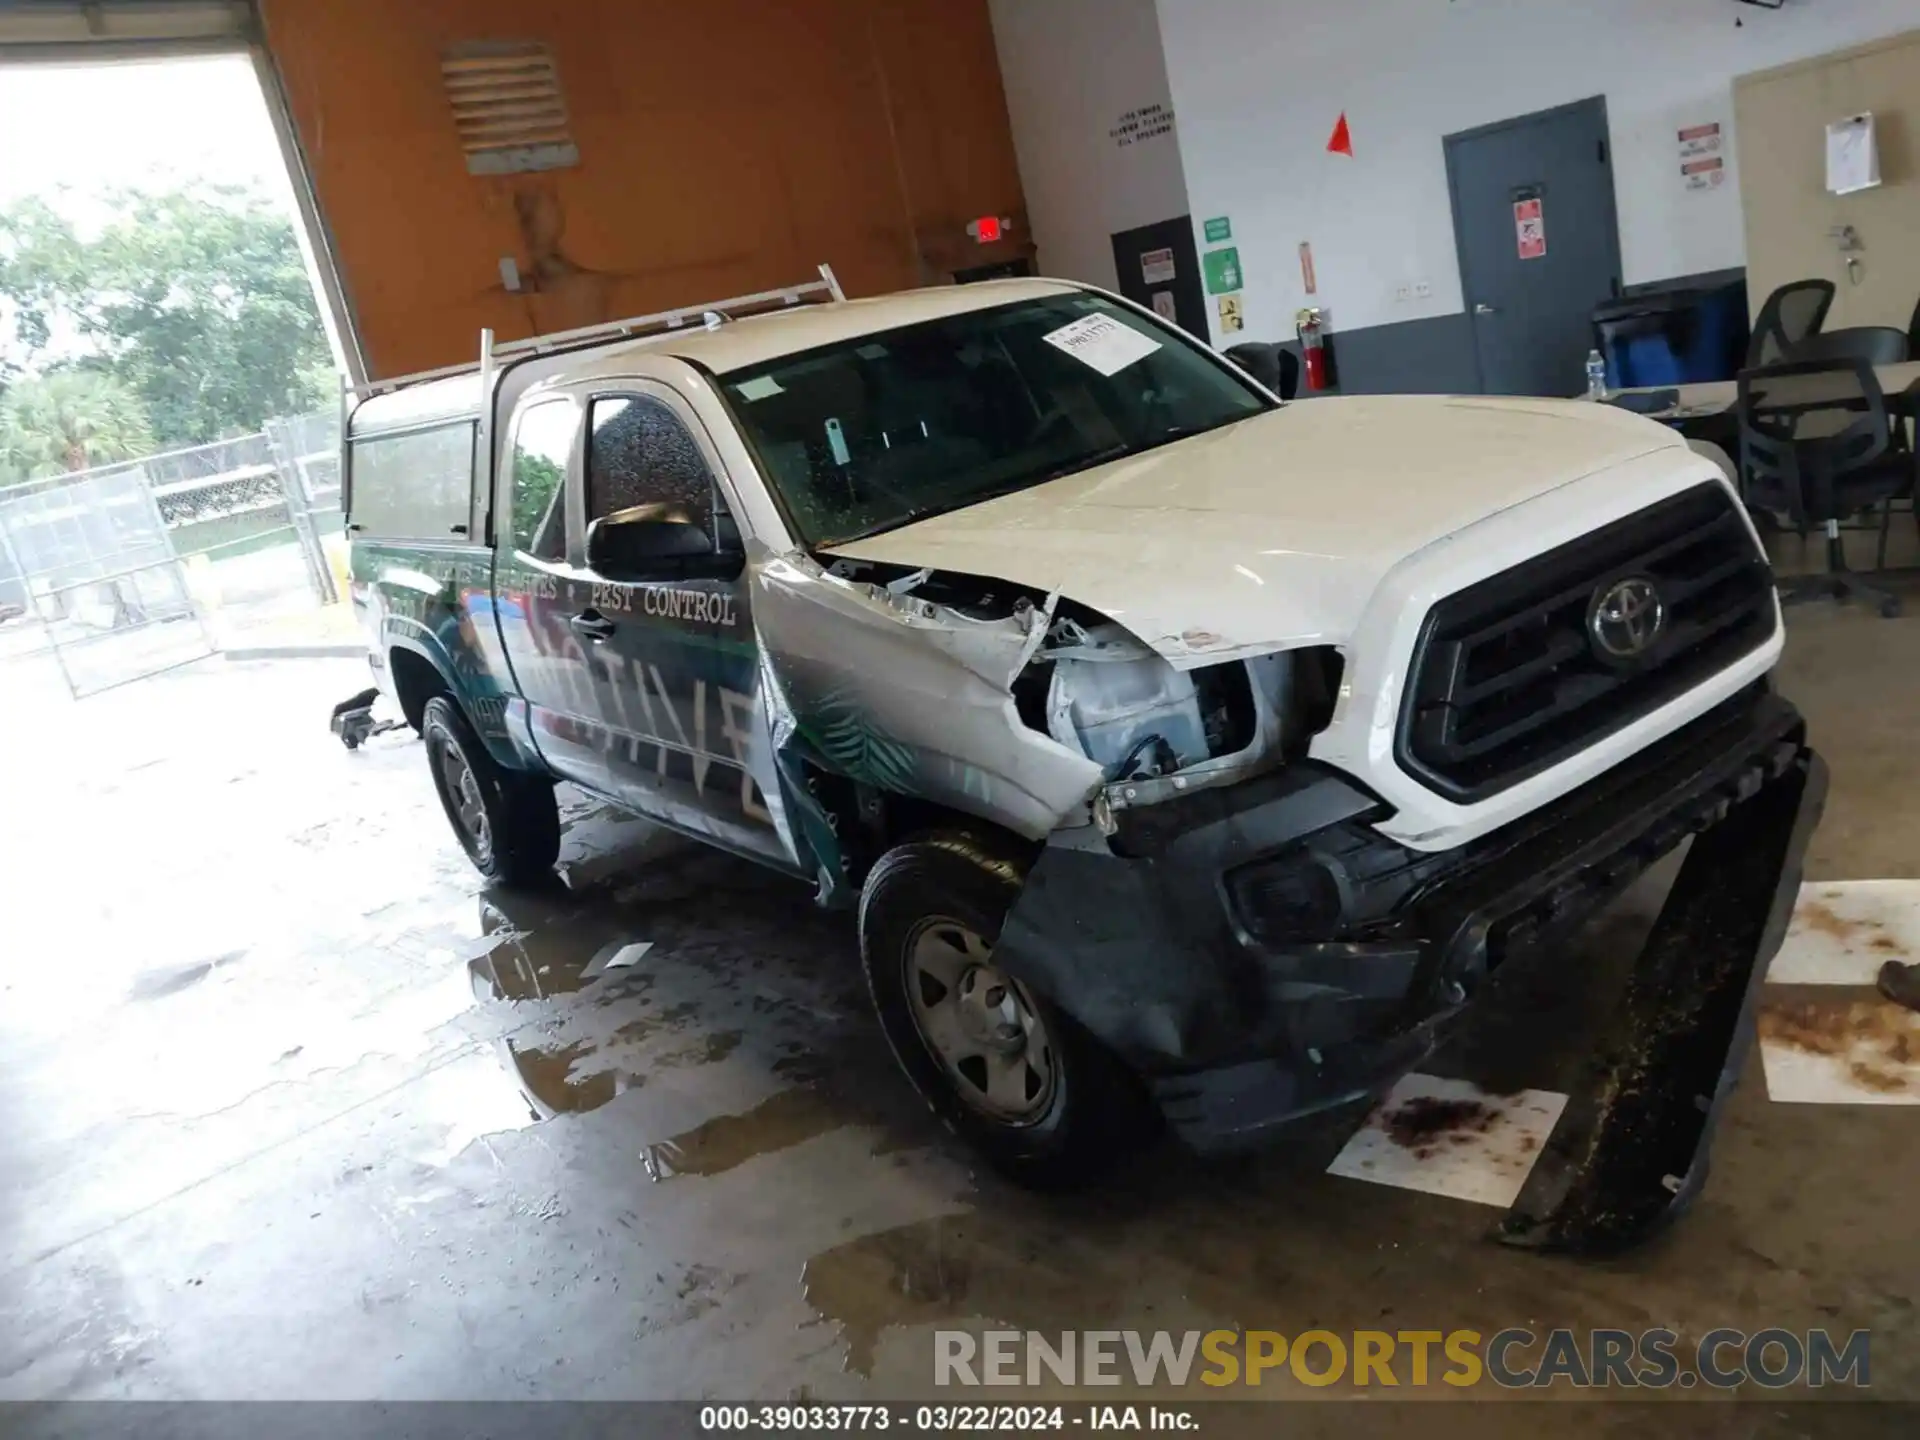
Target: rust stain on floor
1877 1041
1420 1124
1822 919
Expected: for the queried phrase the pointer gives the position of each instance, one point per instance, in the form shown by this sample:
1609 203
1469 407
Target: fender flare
472 689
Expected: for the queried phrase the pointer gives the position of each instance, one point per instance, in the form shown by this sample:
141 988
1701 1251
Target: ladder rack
709 314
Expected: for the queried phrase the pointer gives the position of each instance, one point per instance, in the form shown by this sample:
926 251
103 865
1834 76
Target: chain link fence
128 569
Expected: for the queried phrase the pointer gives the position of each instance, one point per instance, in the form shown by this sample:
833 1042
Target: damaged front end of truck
1221 910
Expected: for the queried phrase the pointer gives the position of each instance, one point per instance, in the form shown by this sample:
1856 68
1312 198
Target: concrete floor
290 1108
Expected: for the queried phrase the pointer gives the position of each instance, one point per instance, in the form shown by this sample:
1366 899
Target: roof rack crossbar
634 327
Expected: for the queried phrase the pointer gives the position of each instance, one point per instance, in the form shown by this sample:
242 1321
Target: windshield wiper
1073 466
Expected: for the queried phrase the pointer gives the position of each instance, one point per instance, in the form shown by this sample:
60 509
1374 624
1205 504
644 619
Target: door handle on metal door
1484 309
591 625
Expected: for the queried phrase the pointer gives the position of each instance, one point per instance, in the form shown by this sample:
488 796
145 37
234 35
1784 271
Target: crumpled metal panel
911 697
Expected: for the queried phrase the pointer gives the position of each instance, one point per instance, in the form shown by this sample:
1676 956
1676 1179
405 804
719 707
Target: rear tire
1003 1067
506 821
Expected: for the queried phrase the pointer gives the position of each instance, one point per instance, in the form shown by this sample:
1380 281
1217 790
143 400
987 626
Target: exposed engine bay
1096 689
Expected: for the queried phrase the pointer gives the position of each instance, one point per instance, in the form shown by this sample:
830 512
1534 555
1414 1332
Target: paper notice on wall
1231 322
1163 305
1530 228
1853 155
1156 267
1102 343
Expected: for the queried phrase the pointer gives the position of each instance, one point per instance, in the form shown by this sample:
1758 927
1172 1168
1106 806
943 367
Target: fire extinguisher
1311 326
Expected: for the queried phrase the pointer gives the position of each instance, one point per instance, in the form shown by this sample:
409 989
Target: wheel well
869 822
415 681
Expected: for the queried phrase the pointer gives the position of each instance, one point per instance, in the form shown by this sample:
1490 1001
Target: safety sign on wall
1222 269
1529 224
1702 166
1163 305
1156 267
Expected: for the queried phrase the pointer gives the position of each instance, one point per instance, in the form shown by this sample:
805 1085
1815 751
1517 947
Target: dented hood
1273 532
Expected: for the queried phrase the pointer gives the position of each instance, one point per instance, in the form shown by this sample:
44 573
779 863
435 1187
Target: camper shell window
416 484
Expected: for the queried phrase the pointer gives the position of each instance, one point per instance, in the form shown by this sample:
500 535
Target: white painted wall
1071 69
1258 84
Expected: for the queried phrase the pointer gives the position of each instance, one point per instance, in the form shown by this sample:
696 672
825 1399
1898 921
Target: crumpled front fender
913 698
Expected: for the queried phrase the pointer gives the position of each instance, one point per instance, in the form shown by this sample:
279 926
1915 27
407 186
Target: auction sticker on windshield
1102 343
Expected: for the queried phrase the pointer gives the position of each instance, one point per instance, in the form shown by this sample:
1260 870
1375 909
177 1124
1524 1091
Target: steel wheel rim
979 1024
465 801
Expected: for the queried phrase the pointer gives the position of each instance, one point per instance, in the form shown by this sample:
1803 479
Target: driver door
676 657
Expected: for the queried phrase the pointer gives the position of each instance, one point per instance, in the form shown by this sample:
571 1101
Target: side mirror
630 546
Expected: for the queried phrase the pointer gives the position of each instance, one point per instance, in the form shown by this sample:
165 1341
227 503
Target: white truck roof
761 338
734 345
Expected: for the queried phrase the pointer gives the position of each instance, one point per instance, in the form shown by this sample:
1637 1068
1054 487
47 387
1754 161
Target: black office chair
1913 331
1816 443
1791 314
1274 366
1875 344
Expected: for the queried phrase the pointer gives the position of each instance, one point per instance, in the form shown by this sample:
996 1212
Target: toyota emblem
1626 618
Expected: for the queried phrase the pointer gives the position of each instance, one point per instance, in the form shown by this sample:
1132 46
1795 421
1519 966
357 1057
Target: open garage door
86 31
42 29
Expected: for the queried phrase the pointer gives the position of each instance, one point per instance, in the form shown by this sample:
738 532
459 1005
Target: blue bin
1673 337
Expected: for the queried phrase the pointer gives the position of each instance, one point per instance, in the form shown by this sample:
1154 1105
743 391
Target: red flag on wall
1341 142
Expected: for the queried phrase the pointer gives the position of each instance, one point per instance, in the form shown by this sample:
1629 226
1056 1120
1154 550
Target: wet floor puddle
950 1269
781 1121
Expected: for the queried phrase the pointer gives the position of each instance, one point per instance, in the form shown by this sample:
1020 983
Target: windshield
875 432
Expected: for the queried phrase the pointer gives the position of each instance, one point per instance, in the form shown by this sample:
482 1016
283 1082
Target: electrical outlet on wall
1403 294
1423 289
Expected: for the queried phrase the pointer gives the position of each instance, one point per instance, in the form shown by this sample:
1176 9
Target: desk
1711 399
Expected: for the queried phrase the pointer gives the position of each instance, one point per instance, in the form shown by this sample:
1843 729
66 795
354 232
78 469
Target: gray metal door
1533 217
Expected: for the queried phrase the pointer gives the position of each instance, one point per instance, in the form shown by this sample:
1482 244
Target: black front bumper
1247 998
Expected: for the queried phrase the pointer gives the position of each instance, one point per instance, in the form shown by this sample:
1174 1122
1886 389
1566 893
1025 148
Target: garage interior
295 1108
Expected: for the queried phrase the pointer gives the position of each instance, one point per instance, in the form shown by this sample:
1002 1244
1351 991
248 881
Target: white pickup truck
1191 757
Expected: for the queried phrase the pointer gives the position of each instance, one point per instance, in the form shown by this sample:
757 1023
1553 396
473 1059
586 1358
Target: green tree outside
70 420
194 302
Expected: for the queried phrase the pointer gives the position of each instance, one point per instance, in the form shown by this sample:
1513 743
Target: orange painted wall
726 146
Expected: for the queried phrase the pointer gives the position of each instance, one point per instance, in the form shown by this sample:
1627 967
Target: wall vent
508 107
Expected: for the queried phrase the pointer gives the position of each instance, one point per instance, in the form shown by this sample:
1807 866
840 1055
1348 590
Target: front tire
1005 1069
507 822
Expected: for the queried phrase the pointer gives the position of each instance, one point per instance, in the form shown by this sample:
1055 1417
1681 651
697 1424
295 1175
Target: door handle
591 625
1485 309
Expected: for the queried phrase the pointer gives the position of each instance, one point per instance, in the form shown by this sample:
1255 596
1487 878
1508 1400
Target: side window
542 442
639 455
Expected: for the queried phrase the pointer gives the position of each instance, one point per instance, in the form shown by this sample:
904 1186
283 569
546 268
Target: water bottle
1596 376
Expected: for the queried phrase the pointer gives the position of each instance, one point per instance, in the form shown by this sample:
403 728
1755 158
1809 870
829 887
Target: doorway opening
171 345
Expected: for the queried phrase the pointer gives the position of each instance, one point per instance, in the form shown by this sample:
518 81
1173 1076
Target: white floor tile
1449 1137
1843 931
